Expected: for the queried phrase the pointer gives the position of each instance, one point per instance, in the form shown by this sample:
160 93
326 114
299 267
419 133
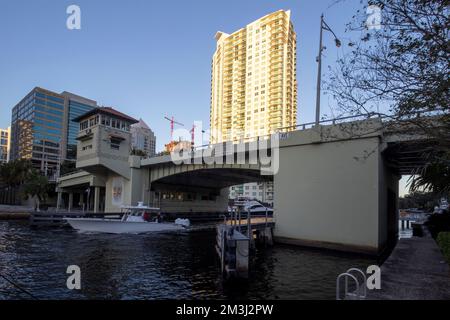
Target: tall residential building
5 140
254 80
254 87
42 129
143 138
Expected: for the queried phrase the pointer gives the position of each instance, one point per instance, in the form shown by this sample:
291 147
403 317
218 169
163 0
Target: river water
180 265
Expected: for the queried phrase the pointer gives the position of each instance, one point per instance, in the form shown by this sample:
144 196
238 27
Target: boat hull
118 226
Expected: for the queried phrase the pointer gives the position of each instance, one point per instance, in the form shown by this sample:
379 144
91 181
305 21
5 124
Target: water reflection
180 265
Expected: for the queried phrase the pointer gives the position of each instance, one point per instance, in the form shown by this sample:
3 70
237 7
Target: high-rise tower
254 81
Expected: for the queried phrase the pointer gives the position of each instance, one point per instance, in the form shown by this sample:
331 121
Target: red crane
172 122
192 134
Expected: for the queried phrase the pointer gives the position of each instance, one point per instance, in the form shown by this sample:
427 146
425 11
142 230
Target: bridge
336 184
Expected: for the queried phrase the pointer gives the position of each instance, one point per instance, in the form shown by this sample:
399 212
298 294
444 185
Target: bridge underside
213 179
407 158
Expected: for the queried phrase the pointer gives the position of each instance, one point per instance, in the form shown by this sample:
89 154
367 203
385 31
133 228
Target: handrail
346 288
304 126
364 280
70 173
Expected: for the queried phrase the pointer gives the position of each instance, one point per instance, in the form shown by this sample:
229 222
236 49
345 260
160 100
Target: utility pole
323 26
319 73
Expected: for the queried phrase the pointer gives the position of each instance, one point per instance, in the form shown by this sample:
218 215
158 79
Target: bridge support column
96 199
82 200
59 200
70 205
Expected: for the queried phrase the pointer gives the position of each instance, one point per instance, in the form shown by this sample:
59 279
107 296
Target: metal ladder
361 290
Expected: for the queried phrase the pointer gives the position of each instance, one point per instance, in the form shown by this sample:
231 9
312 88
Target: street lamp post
323 26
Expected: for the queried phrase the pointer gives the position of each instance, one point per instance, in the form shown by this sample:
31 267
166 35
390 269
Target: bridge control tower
104 141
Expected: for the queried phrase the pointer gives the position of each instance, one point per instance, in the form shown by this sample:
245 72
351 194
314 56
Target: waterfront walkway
416 270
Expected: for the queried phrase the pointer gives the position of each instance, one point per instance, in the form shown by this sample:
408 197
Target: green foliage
438 223
36 185
434 176
418 199
138 152
67 167
443 240
14 173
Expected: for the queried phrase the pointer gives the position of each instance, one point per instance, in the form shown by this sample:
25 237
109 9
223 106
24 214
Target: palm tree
434 176
14 173
36 186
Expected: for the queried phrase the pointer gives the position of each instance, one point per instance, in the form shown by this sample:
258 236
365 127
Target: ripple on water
178 265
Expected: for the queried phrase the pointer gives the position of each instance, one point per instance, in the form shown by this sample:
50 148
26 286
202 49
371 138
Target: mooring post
239 217
248 223
266 217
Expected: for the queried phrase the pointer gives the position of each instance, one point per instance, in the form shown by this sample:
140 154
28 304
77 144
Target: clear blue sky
146 58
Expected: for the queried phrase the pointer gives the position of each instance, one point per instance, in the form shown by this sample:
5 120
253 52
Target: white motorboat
253 206
135 219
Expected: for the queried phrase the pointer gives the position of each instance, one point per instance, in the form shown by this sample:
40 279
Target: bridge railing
333 121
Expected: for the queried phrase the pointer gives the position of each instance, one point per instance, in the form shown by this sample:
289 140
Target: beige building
5 144
254 87
110 177
254 81
143 138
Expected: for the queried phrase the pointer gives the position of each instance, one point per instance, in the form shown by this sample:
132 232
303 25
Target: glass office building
76 109
42 130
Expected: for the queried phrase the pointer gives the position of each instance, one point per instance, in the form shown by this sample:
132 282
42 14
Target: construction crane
193 134
172 122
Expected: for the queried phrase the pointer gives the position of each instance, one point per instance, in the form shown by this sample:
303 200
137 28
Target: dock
236 239
57 218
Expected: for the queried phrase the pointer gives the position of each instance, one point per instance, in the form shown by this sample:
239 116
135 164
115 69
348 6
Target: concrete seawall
14 215
14 212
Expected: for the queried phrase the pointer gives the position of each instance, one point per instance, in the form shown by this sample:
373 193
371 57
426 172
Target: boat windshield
138 214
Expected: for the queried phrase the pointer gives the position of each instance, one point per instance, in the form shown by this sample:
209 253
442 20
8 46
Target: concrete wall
388 181
99 151
327 194
110 205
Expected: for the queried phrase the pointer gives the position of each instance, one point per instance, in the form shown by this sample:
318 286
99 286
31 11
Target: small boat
253 206
135 219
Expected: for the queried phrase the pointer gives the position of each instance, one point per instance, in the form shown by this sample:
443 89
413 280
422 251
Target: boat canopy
139 208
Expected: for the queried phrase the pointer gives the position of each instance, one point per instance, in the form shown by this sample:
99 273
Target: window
115 146
84 125
115 143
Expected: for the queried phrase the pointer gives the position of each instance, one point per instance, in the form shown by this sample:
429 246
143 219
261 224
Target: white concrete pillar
82 200
96 199
59 200
69 208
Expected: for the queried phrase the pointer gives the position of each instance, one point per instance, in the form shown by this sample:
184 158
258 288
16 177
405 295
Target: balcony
85 135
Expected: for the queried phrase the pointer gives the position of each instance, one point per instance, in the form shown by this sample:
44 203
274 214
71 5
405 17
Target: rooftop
108 111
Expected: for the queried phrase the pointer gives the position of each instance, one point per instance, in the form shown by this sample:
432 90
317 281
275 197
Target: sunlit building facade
143 138
5 135
254 80
42 129
254 87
